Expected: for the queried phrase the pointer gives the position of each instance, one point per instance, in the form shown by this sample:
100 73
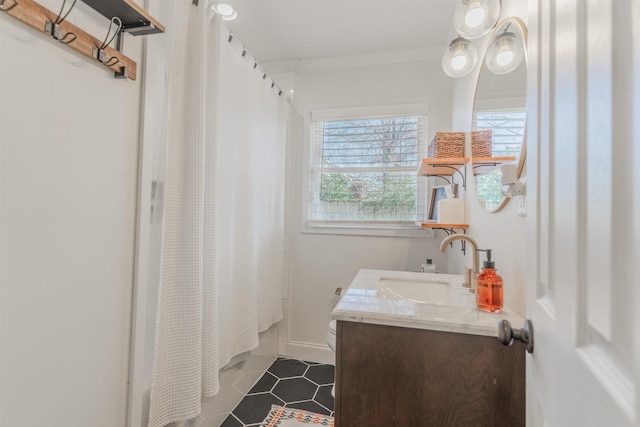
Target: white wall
504 232
68 165
320 263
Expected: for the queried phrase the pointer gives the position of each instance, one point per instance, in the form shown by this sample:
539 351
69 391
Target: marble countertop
359 303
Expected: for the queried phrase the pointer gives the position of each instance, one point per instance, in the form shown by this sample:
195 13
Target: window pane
371 143
367 197
508 130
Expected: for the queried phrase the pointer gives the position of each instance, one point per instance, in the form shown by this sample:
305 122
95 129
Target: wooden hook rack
42 19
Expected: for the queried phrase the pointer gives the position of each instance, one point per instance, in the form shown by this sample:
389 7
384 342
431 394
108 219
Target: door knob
506 335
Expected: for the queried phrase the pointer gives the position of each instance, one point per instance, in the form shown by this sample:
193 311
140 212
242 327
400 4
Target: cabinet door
389 376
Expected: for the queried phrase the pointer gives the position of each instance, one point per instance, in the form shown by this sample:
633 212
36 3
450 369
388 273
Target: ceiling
277 30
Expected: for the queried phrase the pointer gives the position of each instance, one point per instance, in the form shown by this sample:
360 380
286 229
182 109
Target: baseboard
310 352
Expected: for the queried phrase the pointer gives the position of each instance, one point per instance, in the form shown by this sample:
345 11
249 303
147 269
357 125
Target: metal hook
60 19
56 32
118 22
2 8
101 56
54 29
109 63
99 53
61 40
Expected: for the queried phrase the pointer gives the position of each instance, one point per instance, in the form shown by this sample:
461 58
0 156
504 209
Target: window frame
422 106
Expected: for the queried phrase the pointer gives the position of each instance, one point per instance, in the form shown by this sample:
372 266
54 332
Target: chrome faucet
469 274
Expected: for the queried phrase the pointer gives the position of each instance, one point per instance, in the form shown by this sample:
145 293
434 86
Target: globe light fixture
475 18
505 53
460 58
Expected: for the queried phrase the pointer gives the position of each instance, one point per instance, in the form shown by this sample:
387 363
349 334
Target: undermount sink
421 290
411 299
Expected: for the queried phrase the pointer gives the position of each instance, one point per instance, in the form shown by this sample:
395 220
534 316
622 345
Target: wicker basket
446 145
481 142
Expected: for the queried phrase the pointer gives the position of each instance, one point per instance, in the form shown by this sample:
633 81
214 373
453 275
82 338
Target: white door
583 220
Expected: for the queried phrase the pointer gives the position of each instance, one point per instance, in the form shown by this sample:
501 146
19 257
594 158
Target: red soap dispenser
489 287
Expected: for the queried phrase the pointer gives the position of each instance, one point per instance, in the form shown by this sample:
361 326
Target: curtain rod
244 53
255 64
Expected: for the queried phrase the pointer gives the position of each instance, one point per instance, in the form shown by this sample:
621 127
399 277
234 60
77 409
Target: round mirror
499 112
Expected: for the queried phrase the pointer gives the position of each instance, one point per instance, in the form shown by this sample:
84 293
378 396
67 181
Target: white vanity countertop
360 304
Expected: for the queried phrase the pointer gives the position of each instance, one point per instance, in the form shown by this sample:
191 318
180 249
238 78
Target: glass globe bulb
475 15
458 61
460 58
504 57
475 18
505 53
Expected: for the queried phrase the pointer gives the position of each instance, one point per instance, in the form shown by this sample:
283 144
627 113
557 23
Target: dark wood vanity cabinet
390 376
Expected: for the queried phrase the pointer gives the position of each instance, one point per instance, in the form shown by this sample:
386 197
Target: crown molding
353 61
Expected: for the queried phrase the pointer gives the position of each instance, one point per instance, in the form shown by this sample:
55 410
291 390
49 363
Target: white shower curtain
223 232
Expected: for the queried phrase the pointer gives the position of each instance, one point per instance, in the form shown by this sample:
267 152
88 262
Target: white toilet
331 341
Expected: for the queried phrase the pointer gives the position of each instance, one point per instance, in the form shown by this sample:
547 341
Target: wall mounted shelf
135 20
484 165
446 227
444 168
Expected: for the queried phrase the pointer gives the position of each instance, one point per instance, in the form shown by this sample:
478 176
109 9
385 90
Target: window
508 130
508 126
363 170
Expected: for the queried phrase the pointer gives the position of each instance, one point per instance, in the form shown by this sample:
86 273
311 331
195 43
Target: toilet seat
332 326
331 341
331 335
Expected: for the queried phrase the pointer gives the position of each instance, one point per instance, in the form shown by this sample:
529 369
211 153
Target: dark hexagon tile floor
290 383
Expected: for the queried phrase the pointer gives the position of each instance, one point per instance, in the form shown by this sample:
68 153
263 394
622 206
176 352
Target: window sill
368 230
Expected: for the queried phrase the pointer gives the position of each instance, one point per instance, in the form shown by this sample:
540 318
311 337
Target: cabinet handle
506 334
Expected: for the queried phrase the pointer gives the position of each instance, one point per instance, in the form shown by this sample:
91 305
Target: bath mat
286 417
